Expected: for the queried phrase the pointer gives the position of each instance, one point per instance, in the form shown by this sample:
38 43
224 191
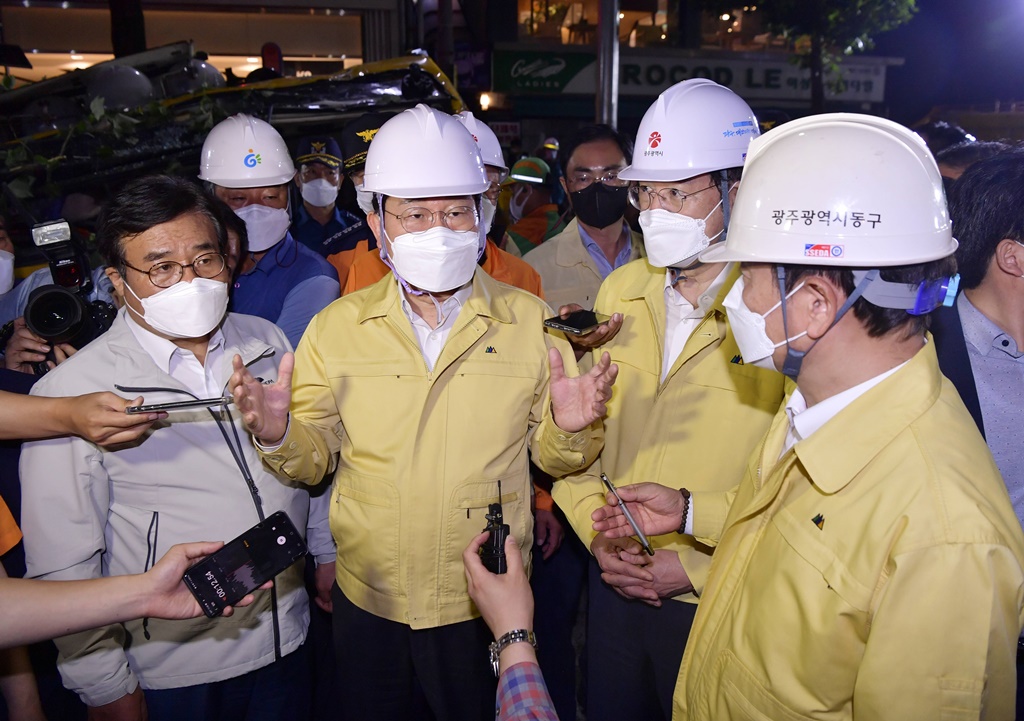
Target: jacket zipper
250 483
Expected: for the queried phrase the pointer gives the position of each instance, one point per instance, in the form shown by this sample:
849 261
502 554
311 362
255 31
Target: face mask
599 206
319 193
6 271
185 310
747 327
672 238
487 212
436 260
265 226
364 199
518 203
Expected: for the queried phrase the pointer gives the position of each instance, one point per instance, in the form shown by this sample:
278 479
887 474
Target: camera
492 552
61 313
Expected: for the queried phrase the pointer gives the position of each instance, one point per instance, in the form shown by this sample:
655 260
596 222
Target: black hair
963 155
879 321
145 203
939 135
985 205
231 222
592 133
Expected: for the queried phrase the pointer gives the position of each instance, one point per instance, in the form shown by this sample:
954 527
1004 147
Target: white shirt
182 365
804 421
432 340
681 318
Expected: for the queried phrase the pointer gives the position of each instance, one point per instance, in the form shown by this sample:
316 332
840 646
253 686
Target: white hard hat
422 153
245 152
695 127
838 189
486 140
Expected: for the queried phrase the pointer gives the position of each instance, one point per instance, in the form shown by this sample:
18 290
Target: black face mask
599 206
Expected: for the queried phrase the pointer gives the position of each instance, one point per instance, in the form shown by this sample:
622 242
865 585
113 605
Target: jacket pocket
746 699
467 511
365 522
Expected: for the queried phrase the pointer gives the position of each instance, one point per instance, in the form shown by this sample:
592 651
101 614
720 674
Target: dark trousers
278 691
389 672
557 586
633 653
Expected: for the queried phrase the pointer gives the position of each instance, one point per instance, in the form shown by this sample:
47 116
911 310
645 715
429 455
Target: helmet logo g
655 140
252 159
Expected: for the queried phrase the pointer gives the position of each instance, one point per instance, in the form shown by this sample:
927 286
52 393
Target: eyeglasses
584 179
168 272
641 197
316 171
419 220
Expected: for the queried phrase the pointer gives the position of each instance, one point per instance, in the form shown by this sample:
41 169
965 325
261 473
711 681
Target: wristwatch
520 634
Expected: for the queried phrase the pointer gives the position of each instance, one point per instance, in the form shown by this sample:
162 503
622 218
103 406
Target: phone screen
244 564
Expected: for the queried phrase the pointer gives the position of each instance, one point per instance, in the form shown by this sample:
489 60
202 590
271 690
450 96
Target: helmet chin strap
795 358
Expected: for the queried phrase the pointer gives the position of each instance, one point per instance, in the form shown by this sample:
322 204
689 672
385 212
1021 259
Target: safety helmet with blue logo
245 152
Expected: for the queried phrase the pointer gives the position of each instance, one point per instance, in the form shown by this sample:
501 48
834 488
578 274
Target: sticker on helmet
823 250
252 159
655 140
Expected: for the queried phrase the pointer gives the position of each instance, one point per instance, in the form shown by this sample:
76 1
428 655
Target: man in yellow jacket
686 408
422 394
869 565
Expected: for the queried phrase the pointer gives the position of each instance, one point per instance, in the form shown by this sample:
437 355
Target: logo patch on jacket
819 521
737 359
490 349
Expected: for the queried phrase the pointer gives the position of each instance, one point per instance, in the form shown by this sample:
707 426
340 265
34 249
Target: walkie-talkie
492 552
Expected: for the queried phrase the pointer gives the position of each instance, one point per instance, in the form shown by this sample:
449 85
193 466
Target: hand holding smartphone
179 405
578 322
246 563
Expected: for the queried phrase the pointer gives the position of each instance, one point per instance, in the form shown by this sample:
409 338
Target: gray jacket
91 511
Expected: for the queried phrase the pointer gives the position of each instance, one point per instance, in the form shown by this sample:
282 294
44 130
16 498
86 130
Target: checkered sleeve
523 695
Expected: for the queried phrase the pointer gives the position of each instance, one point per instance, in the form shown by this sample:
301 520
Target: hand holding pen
623 512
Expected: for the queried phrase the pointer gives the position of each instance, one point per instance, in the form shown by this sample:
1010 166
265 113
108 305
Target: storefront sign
763 79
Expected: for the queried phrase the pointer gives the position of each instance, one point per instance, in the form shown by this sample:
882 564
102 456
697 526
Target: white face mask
436 260
364 199
487 212
518 203
672 238
747 327
6 271
185 310
319 193
265 226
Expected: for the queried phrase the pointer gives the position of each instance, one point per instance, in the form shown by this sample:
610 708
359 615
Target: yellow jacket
417 455
695 430
873 572
567 272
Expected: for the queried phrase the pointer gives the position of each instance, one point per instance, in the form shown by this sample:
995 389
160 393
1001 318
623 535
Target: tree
835 28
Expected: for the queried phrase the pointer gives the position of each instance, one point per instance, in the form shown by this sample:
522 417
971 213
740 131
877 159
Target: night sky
957 52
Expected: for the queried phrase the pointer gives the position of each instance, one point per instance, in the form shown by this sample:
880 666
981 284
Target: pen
629 517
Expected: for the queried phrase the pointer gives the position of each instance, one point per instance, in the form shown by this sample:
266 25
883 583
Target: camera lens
54 313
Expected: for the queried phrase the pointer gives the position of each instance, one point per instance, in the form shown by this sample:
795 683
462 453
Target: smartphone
177 405
578 322
629 517
246 563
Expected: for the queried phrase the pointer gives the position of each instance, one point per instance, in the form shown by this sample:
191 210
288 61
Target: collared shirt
180 364
998 368
804 421
603 266
432 340
307 230
681 318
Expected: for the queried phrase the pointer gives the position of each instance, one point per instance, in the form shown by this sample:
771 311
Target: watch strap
516 636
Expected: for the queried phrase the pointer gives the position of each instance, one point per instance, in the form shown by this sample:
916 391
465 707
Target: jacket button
293 445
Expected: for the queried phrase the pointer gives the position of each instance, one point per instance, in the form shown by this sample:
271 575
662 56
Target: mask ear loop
795 358
383 250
